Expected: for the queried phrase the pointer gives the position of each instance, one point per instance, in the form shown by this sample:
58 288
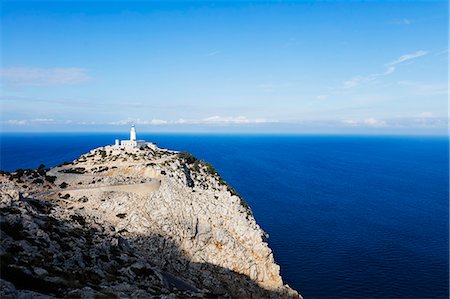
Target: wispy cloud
374 122
322 96
443 52
403 21
425 114
272 87
407 57
16 122
213 53
421 120
425 89
26 76
216 119
369 122
390 68
24 122
94 102
58 101
138 121
233 120
356 81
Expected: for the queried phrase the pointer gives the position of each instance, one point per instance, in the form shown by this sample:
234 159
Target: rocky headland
131 223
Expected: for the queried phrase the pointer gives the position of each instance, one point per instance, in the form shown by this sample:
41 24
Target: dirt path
139 188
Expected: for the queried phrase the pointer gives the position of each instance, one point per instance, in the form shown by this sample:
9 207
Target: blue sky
287 67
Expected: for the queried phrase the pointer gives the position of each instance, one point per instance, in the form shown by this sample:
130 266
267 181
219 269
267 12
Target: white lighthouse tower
133 142
133 133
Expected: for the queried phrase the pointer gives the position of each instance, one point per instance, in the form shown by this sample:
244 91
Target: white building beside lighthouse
133 142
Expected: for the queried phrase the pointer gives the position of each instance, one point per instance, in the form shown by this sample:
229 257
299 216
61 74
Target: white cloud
443 52
425 114
25 76
273 87
138 121
213 53
16 122
407 57
24 122
430 122
368 122
403 21
208 120
352 82
181 121
425 89
322 97
374 122
390 68
46 120
231 120
422 120
350 122
356 81
158 122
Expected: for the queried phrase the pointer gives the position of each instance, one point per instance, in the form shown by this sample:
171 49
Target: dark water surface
348 216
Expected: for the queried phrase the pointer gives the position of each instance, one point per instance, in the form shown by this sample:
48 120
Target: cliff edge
139 223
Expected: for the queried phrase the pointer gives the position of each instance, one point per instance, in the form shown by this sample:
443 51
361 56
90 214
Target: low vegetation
210 170
50 178
187 157
76 170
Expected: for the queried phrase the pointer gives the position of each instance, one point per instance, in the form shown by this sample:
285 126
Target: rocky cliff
140 223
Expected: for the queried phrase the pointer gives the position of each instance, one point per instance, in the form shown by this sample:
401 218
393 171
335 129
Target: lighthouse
133 133
133 142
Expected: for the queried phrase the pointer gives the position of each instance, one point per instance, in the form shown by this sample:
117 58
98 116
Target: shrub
50 178
78 218
196 166
209 168
102 168
187 157
38 181
18 173
65 196
77 170
83 199
63 185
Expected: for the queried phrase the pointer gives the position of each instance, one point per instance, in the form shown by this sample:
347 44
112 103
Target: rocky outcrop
148 223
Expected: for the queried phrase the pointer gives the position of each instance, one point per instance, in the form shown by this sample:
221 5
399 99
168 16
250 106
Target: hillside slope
132 223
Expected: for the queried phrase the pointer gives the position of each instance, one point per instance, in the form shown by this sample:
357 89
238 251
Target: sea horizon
331 134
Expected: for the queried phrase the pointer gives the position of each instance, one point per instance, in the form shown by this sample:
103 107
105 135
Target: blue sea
348 216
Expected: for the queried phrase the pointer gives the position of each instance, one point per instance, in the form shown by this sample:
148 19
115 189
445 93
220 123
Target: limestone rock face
135 223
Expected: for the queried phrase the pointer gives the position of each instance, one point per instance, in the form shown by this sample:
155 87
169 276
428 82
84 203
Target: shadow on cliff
77 254
220 281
